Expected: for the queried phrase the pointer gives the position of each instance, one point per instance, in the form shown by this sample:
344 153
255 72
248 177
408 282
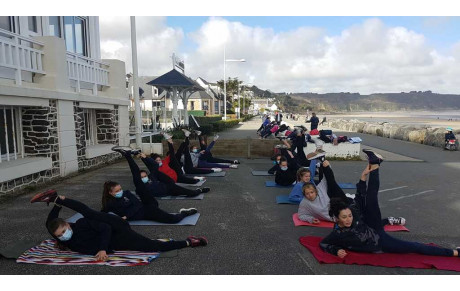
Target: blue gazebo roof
174 78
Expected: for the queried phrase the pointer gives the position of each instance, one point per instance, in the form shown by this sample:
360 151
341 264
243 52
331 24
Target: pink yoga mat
328 224
415 261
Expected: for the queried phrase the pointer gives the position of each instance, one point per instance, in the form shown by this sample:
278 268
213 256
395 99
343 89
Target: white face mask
283 168
195 150
119 194
66 235
160 164
145 179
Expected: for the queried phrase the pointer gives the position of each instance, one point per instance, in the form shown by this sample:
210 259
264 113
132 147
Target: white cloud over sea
367 57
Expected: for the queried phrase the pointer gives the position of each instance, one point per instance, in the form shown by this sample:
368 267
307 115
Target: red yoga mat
415 261
328 224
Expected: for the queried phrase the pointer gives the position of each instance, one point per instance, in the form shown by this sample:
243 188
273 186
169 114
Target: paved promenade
248 232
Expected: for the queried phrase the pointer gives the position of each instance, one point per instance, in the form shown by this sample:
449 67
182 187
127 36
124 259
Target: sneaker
280 146
196 241
199 178
188 211
186 132
233 166
119 150
216 137
396 221
216 170
135 152
373 158
47 196
198 132
319 150
236 162
316 155
167 136
204 189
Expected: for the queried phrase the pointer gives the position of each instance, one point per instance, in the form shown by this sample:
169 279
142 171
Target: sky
363 54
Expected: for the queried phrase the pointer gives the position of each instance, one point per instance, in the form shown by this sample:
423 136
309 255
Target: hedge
197 112
225 124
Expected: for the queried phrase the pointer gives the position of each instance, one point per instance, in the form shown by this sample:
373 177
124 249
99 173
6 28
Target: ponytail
335 206
106 196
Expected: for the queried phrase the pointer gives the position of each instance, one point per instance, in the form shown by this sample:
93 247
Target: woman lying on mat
199 157
315 203
276 161
171 166
362 231
127 205
286 170
207 156
157 183
303 176
99 233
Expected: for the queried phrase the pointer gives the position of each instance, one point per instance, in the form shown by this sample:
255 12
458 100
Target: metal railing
20 54
84 69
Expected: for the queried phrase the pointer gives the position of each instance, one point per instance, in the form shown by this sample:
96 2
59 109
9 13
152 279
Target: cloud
155 42
366 57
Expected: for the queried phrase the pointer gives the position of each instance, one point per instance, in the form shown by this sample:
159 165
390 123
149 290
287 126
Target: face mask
195 150
160 164
275 162
284 168
66 235
119 194
145 180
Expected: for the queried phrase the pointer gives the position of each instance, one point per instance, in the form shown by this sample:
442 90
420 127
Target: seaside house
215 105
62 107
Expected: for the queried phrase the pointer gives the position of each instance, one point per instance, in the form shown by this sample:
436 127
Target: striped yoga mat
47 254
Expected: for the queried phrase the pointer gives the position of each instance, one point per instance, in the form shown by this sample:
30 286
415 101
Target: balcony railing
90 71
20 54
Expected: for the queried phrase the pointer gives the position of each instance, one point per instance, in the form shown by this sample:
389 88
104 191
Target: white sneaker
186 132
216 170
167 136
234 166
199 178
396 221
216 137
198 132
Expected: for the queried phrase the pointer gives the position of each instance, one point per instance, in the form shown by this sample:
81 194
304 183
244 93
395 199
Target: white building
61 107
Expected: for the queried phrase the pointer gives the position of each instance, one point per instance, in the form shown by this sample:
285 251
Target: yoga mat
218 174
15 250
199 197
189 220
328 224
191 185
261 173
388 260
342 185
47 254
284 199
273 184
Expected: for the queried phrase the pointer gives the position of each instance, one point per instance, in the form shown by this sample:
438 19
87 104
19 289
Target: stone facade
107 133
40 137
107 126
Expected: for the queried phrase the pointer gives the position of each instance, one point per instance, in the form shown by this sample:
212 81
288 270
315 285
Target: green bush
225 124
197 112
206 120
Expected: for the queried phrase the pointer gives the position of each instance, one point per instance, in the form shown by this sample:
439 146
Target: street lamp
225 86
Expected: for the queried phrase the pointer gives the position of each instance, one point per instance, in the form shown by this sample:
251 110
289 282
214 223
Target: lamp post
225 86
137 107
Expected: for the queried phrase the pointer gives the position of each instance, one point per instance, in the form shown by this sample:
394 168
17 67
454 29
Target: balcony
43 62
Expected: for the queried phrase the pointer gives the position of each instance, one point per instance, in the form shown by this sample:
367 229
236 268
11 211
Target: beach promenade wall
418 134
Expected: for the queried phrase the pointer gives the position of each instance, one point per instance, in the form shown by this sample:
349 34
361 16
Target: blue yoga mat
284 199
189 220
341 185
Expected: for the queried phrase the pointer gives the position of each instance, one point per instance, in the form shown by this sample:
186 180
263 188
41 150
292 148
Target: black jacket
285 178
128 205
314 122
358 237
89 236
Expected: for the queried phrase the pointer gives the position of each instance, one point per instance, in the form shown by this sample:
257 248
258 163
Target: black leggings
175 165
207 156
151 211
188 165
373 217
123 237
299 144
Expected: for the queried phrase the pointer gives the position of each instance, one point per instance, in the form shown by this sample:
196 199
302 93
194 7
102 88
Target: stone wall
107 126
418 134
107 133
40 137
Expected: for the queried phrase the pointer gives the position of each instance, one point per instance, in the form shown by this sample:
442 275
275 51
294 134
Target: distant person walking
278 117
314 120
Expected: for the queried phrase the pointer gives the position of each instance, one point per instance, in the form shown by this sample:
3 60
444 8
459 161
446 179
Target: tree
232 87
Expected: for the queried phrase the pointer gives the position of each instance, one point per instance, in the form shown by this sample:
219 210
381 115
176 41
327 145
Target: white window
34 23
10 133
90 126
7 23
55 26
76 34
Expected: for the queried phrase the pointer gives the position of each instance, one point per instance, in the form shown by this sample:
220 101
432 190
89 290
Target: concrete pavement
248 232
